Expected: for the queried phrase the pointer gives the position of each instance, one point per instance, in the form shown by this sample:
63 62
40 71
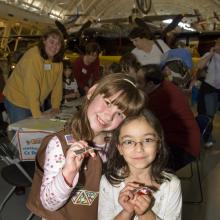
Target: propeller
151 18
74 37
173 24
163 33
62 28
83 27
141 23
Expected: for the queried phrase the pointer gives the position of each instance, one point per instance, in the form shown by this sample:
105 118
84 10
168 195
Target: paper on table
40 124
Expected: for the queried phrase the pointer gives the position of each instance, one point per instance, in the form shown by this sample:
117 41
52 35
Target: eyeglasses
147 142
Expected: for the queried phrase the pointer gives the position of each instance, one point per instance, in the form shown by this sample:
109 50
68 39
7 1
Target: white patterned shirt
167 204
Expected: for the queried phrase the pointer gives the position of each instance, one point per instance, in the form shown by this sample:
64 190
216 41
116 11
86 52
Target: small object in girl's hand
85 150
144 191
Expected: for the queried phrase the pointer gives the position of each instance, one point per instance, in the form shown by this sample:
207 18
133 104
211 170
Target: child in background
70 87
137 158
70 184
114 68
129 64
86 67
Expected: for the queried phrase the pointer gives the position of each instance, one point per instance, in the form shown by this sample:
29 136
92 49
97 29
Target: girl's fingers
142 203
77 146
127 193
91 153
130 186
123 198
143 199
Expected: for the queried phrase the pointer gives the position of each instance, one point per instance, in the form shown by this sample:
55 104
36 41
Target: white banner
28 143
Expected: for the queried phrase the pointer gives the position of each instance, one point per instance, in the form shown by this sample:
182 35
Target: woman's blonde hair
130 101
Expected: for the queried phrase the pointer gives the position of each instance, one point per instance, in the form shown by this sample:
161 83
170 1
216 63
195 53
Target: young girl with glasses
135 184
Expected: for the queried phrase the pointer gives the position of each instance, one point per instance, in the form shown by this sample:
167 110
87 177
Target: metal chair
205 125
198 174
204 122
16 173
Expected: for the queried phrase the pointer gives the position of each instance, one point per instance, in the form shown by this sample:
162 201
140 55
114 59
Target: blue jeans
211 103
16 113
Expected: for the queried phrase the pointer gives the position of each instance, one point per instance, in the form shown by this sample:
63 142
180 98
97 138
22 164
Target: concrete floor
210 175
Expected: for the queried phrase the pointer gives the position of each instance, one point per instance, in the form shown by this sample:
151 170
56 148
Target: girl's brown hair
52 32
130 101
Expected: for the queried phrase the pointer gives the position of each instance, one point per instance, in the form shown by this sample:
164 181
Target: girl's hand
126 196
142 203
54 111
73 162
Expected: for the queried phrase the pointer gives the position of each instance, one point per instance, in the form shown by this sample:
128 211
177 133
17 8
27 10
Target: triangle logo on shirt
84 197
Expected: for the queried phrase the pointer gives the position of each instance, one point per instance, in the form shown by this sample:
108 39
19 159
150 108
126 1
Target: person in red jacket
171 107
86 68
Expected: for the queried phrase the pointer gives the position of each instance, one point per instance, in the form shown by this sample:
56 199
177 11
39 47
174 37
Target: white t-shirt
154 56
69 84
213 71
167 204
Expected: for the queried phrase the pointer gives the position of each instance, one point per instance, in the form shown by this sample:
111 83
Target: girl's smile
103 115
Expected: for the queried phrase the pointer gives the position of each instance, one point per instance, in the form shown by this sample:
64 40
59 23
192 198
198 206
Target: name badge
47 66
84 71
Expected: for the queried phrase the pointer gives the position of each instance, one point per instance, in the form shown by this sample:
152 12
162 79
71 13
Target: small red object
144 191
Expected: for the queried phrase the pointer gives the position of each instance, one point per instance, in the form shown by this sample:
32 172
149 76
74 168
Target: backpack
90 182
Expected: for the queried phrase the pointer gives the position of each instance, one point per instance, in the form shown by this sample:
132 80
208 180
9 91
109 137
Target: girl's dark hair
117 169
52 32
129 60
139 32
114 67
67 64
130 101
152 72
92 48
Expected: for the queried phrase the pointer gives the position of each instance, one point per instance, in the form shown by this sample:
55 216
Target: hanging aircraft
110 33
